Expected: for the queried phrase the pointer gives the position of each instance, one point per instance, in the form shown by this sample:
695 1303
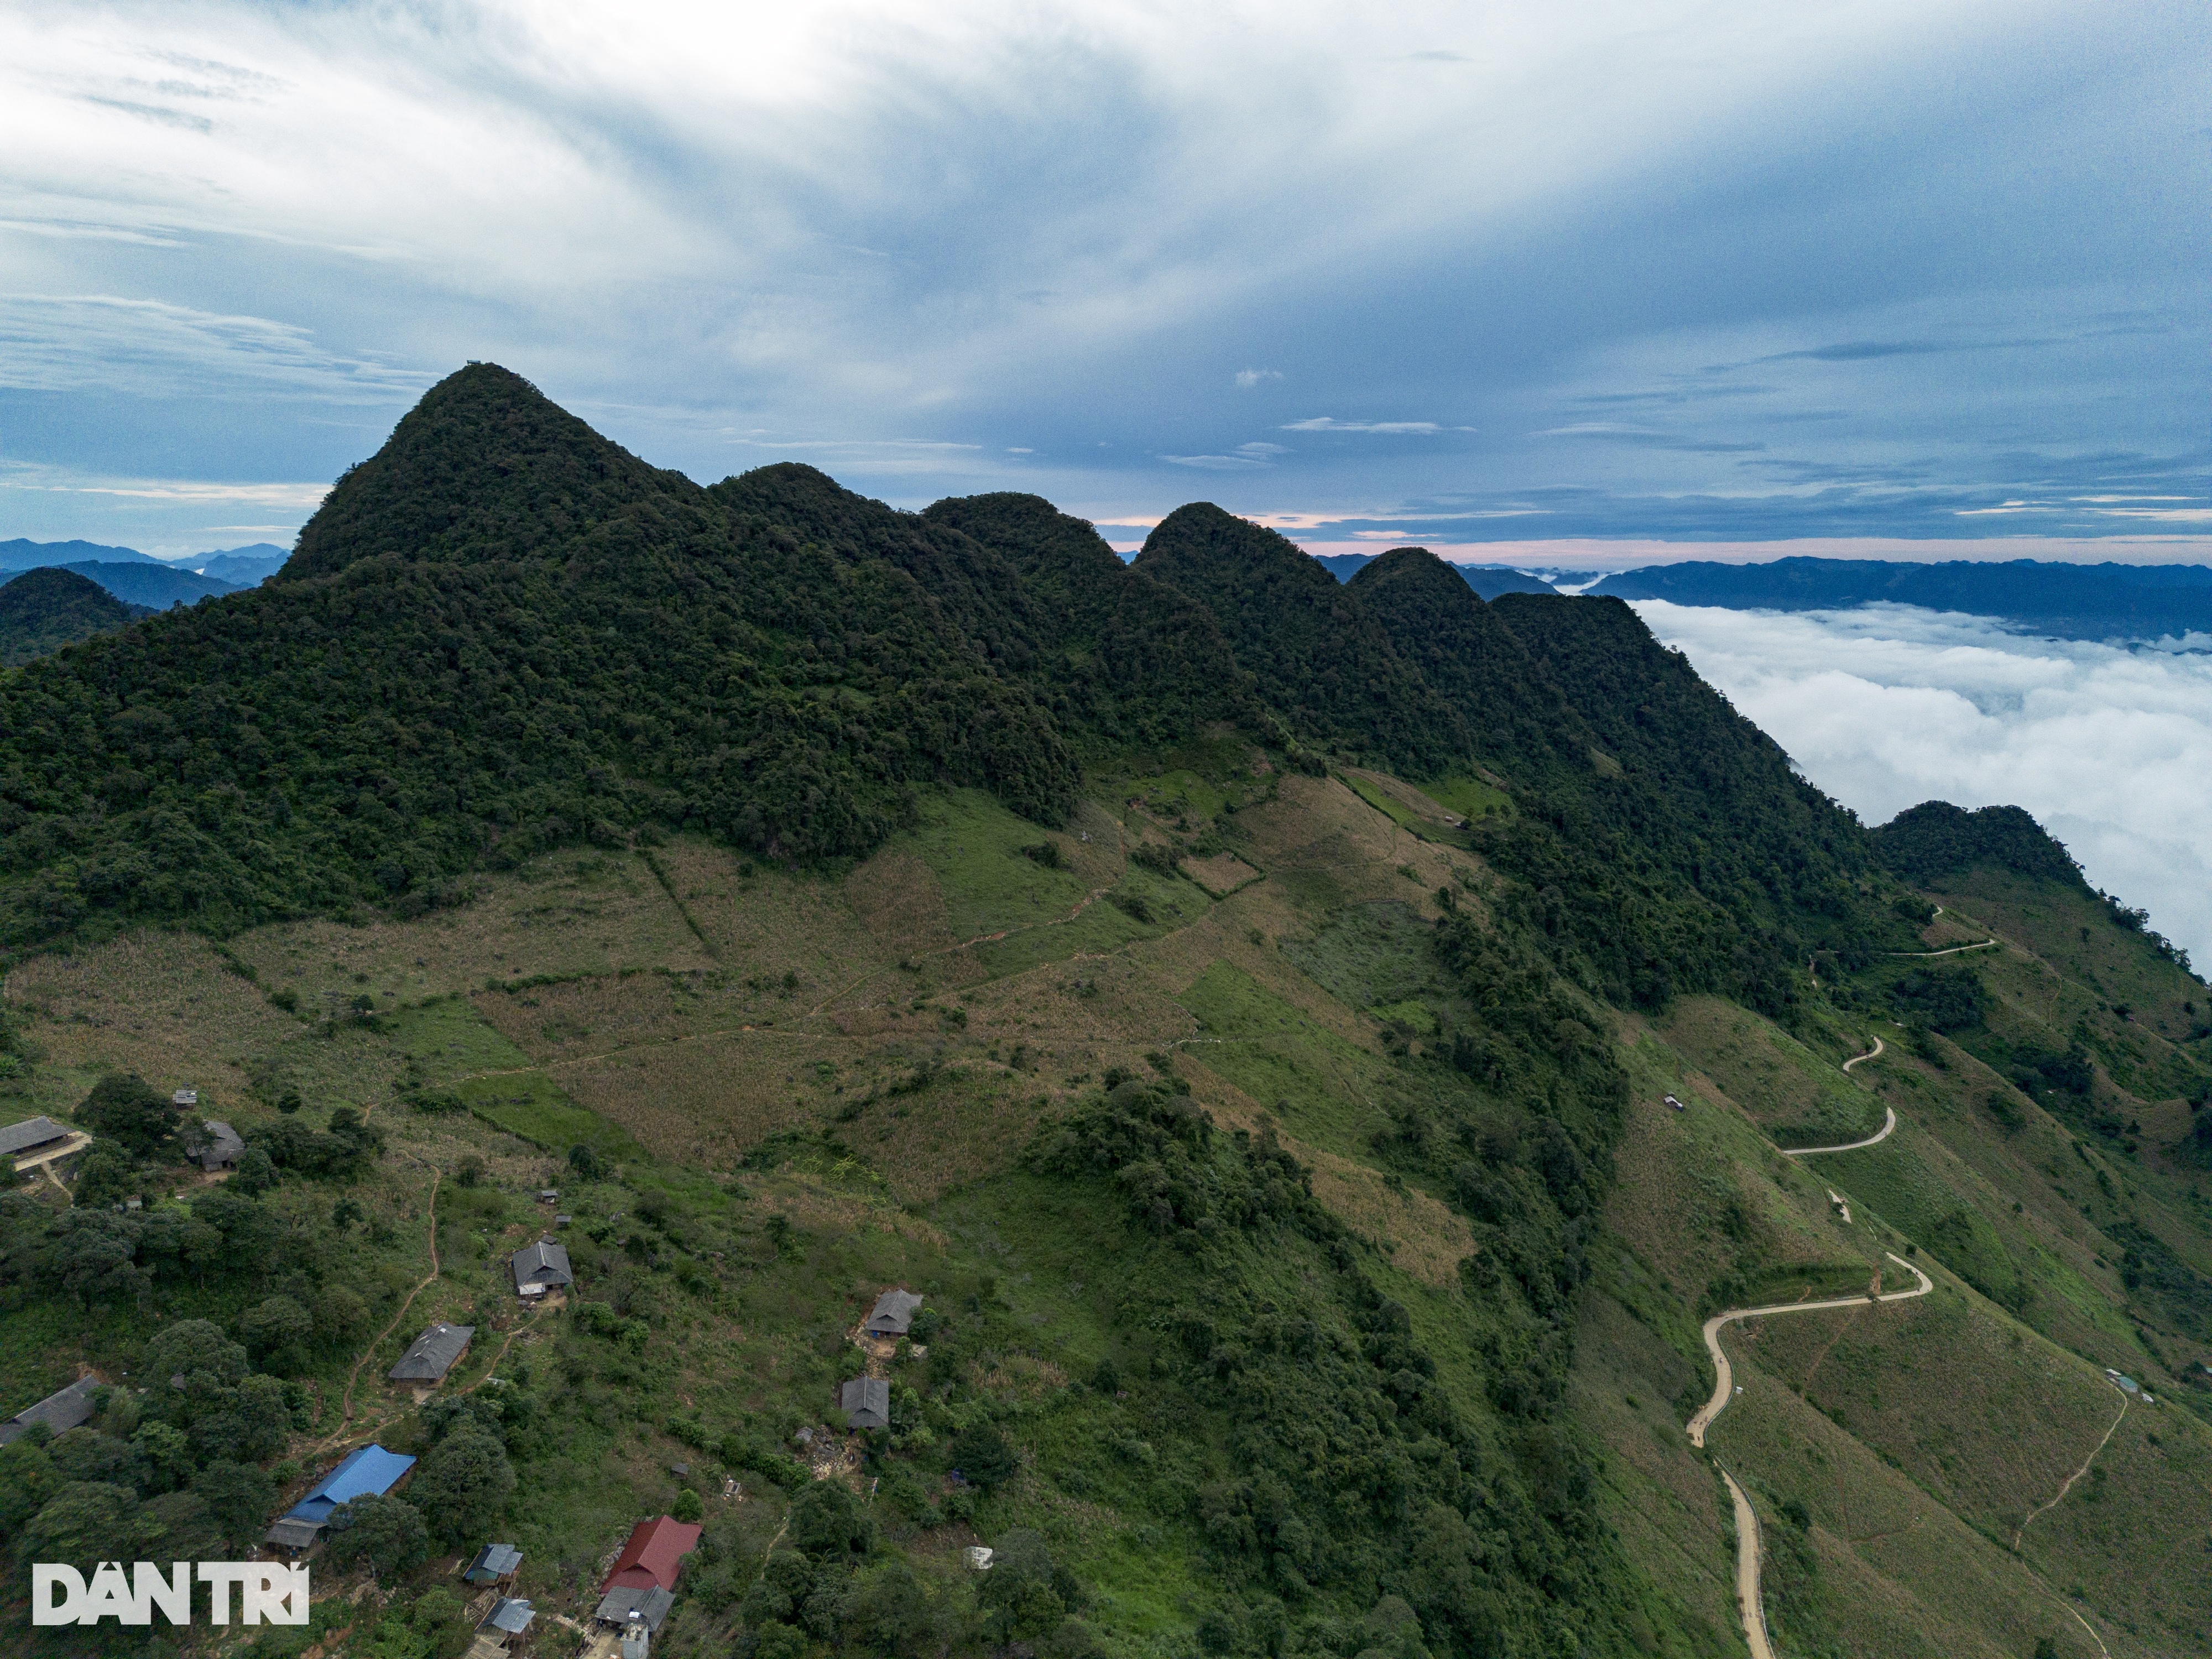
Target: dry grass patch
577 912
164 1006
820 1206
1220 875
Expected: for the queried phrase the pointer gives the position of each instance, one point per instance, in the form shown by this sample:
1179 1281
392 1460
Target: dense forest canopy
503 632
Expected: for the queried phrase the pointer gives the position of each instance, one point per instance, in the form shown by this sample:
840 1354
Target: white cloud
1248 378
1323 423
1888 706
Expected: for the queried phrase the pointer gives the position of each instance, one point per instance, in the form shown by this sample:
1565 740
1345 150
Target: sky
1888 706
1575 286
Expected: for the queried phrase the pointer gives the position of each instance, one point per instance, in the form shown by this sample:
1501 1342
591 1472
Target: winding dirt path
345 1417
1874 1053
1724 1385
1888 1128
1747 1571
2055 1497
1747 1519
1986 944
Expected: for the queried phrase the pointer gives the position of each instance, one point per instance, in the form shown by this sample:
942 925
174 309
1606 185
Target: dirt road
1888 1128
1747 1523
1724 1387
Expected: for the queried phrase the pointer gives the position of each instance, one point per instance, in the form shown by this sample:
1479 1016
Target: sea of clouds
1886 706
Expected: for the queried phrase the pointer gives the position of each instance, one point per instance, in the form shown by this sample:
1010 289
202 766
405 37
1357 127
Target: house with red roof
641 1588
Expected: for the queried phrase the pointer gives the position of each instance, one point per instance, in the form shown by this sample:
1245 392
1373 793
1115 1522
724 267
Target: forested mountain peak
1925 843
49 607
1316 654
485 466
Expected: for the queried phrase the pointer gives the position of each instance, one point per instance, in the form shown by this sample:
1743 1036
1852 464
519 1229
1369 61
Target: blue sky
1555 285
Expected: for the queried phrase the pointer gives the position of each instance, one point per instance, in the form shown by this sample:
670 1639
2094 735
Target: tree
256 1174
387 1534
92 1255
237 1496
108 1175
27 1482
164 1456
983 1456
198 1351
687 1506
1026 1593
585 1162
464 1481
122 1106
340 1313
828 1521
85 1523
277 1331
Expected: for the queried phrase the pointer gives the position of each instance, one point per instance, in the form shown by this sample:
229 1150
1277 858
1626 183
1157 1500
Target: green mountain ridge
47 608
1321 1051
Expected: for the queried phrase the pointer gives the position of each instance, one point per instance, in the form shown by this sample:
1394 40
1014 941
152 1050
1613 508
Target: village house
540 1268
61 1411
640 1588
503 1630
433 1354
368 1471
893 1313
33 1137
224 1147
867 1403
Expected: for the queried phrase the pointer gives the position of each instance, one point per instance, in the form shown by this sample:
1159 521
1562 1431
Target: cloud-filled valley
1886 706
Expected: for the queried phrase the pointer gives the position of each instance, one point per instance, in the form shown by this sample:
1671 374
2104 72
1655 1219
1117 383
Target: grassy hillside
1244 1009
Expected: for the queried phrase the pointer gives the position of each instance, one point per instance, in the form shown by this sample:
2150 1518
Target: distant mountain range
1487 581
140 578
2070 601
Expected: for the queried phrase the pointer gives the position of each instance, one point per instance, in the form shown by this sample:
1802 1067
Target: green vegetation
42 610
809 894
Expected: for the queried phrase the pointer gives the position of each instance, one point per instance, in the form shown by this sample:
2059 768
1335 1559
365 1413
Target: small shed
224 1147
292 1535
507 1621
32 1136
867 1403
645 1605
185 1098
433 1354
541 1267
496 1563
637 1641
60 1410
893 1313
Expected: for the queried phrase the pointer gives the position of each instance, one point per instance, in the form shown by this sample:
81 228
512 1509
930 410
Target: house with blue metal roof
368 1471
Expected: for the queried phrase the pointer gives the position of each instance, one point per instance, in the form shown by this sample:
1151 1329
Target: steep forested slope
1313 650
45 609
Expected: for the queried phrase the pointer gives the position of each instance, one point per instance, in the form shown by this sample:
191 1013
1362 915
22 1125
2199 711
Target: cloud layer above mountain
1454 272
1886 706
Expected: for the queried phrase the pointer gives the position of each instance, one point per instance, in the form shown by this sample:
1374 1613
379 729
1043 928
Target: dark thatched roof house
60 1410
433 1354
541 1267
893 1313
866 1402
223 1147
32 1135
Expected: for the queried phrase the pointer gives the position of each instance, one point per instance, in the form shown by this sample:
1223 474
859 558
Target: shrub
387 1534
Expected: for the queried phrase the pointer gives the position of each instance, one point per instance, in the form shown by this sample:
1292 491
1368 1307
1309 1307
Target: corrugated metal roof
654 1554
367 1470
493 1561
649 1602
542 1263
510 1615
433 1354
